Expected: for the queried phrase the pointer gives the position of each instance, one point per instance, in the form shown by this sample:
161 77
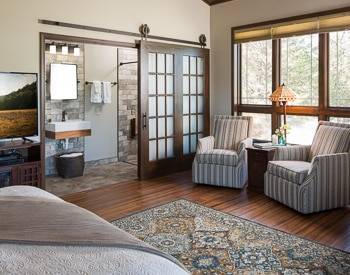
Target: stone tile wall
127 147
53 108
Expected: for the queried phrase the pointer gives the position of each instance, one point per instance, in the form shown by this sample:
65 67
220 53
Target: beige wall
241 12
19 30
101 64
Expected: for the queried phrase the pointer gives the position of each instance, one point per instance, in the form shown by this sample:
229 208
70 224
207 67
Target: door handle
144 120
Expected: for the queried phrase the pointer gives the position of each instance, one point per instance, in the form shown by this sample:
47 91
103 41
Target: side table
257 166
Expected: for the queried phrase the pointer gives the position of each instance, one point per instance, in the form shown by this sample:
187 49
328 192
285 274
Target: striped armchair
313 178
221 159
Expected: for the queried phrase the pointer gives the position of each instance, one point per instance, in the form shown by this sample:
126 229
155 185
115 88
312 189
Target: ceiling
214 2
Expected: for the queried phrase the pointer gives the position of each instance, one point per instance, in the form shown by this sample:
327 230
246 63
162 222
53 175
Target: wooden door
173 106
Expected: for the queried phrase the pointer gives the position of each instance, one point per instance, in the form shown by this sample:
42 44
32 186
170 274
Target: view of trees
262 125
299 71
299 68
256 72
339 68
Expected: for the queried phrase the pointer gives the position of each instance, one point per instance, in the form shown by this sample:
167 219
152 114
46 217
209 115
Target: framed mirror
63 81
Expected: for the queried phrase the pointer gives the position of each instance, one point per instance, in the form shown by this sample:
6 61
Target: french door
173 106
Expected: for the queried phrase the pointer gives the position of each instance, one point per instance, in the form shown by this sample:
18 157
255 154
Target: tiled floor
94 177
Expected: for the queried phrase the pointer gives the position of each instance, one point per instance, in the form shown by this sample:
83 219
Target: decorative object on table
208 241
281 134
283 95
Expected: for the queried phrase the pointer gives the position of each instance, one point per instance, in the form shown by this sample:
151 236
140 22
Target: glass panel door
161 106
193 102
174 100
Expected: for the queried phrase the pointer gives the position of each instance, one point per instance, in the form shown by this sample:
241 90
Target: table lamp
283 95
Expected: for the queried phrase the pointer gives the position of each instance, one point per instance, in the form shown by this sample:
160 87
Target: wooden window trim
323 111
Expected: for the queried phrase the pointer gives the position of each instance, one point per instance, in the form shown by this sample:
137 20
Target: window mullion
323 75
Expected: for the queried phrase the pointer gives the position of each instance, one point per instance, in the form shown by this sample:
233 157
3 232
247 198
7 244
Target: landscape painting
18 105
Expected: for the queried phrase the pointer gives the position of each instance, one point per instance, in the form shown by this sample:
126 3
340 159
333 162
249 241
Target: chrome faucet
64 114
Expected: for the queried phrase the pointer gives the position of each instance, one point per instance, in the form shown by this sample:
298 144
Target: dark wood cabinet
257 166
28 171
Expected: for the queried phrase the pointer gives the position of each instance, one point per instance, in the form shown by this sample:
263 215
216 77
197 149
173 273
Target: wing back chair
313 178
221 159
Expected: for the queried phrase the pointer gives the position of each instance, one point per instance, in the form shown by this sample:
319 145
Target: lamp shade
76 51
52 48
65 49
282 94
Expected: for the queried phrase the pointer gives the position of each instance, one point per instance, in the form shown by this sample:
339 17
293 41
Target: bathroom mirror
63 81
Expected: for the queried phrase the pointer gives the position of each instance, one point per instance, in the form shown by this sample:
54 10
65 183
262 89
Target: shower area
110 151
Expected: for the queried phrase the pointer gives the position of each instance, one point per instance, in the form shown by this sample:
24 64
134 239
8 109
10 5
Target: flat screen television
18 105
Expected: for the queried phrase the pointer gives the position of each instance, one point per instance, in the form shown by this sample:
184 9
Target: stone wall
127 147
53 108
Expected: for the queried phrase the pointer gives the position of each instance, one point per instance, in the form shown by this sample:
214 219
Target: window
261 125
299 68
339 68
256 72
340 119
302 129
311 56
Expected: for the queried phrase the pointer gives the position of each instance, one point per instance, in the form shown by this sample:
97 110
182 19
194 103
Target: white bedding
40 259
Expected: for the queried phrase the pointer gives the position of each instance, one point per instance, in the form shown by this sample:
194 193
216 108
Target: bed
40 233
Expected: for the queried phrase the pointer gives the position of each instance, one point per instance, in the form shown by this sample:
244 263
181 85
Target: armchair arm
205 144
248 142
332 167
298 153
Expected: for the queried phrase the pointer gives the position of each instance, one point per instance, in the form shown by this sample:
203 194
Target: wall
127 148
241 12
53 108
19 29
101 63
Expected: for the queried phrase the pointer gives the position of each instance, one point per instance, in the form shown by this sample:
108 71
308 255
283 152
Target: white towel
96 92
107 92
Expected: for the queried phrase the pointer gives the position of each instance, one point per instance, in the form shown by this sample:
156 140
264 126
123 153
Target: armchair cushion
298 152
205 144
330 140
218 157
229 131
293 171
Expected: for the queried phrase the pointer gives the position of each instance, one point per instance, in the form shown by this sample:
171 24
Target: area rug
207 241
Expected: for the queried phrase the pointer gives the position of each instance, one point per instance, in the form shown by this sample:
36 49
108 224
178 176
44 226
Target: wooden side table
257 166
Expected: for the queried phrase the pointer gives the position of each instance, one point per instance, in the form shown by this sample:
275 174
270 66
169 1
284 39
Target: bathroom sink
68 129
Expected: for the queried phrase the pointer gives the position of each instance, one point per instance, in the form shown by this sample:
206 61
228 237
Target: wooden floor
114 201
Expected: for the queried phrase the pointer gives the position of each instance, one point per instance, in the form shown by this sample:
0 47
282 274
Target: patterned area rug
207 241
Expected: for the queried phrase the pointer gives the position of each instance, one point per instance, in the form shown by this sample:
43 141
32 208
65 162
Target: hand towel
107 92
96 92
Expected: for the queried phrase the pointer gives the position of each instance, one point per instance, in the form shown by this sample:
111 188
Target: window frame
323 110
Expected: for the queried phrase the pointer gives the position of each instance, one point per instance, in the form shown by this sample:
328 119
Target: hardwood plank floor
111 202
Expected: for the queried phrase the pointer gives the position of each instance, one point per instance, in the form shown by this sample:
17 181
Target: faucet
64 114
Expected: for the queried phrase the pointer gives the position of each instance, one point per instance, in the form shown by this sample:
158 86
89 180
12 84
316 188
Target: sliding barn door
173 106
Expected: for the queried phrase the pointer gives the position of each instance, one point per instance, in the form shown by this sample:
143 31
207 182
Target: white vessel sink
69 125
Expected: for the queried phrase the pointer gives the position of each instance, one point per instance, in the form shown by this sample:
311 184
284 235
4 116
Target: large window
256 72
303 129
340 119
339 68
307 58
261 125
299 68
